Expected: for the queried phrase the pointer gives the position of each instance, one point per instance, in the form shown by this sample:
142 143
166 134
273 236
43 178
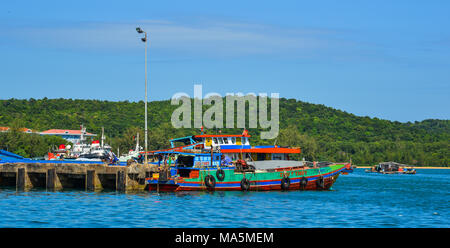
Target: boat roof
274 149
192 141
194 137
205 154
221 135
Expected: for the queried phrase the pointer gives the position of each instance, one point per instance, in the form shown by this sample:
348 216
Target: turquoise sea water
358 199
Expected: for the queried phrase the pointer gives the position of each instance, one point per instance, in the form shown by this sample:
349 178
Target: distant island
323 133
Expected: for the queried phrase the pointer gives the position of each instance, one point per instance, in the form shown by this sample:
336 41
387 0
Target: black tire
210 182
220 174
303 183
285 183
245 184
320 182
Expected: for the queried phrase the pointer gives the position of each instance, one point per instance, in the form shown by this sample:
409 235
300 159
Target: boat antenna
103 135
82 133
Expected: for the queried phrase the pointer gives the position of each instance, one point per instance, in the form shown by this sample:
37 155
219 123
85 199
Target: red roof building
25 130
73 136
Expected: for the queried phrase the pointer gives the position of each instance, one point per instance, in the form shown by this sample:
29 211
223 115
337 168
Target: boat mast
137 142
103 136
83 130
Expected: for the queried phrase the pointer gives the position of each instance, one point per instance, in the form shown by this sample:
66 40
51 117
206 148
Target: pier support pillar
52 182
20 179
121 180
51 179
90 180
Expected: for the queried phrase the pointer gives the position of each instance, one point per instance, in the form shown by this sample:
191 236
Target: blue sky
385 59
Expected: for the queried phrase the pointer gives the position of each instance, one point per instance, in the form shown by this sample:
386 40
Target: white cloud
206 38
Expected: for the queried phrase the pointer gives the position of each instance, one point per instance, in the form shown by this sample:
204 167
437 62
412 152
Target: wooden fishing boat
392 168
228 162
348 169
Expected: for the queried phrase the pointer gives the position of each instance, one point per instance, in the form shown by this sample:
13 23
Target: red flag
245 132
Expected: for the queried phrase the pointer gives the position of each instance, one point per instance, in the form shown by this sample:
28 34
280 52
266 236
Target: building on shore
25 130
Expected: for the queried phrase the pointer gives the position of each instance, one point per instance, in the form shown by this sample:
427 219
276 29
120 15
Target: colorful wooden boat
201 164
348 169
392 168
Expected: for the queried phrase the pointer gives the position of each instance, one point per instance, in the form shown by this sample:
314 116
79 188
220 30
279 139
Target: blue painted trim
10 154
225 147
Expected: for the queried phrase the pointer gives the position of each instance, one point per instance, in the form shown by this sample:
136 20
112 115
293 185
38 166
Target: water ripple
357 200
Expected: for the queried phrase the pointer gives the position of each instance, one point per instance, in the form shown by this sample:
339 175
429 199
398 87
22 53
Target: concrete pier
58 176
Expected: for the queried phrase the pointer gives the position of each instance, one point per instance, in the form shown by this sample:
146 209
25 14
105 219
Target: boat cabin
188 164
209 141
233 146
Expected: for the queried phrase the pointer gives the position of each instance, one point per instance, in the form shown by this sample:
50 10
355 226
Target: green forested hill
322 132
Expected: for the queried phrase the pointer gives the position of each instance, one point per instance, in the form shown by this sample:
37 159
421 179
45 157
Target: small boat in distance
84 151
392 168
229 162
98 152
132 155
348 168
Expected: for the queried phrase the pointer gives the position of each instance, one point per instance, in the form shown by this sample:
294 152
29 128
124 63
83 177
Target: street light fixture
140 31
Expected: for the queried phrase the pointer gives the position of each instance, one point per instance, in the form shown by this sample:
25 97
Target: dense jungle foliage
322 132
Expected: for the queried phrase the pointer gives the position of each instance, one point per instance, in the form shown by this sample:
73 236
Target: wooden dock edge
90 177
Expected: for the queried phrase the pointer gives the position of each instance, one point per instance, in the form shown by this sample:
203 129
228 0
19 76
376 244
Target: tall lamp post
140 31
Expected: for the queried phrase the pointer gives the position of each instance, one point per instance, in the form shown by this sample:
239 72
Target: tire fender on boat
320 182
245 184
303 182
285 183
210 182
220 174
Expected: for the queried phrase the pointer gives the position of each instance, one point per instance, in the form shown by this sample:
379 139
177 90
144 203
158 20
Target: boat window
225 140
221 140
277 156
185 161
215 141
233 140
261 156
